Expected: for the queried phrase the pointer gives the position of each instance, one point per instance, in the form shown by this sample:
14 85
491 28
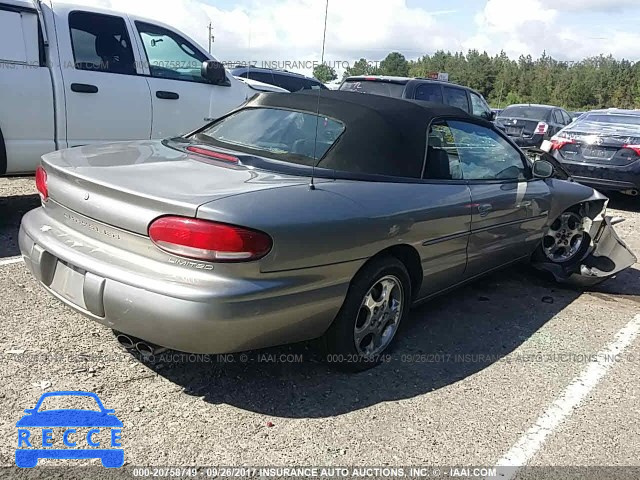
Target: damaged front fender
607 256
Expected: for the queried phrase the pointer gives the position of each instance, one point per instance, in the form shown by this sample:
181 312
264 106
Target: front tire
377 301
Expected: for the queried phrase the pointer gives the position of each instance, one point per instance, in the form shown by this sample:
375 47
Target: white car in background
74 75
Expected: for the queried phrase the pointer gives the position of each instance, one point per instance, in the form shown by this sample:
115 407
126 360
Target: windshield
524 111
375 87
276 133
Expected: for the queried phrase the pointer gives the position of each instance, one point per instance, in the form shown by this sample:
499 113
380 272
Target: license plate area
514 131
68 282
599 153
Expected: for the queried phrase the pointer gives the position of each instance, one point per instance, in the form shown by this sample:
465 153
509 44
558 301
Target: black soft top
382 134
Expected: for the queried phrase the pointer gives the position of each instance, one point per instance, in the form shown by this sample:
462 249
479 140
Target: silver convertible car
320 214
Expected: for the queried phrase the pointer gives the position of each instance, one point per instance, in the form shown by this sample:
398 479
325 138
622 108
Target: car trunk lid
129 184
518 127
598 145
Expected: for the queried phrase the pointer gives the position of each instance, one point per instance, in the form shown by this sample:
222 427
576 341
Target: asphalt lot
472 373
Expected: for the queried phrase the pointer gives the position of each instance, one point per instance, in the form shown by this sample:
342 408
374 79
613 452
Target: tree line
595 82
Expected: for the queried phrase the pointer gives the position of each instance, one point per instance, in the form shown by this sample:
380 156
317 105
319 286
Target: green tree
394 64
361 67
324 73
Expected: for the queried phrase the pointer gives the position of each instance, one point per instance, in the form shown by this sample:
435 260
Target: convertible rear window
296 137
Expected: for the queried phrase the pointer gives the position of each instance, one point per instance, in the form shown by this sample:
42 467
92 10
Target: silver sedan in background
316 214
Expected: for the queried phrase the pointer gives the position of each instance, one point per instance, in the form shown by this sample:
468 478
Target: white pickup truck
72 75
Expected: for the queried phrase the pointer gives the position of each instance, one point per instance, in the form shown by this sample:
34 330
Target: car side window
443 161
101 43
485 155
456 97
429 92
566 117
557 117
170 55
479 107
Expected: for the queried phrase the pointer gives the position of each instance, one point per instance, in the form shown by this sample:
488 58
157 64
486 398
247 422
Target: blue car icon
68 419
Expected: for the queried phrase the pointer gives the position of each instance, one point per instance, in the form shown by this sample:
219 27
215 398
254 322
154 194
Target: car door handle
167 95
83 88
484 209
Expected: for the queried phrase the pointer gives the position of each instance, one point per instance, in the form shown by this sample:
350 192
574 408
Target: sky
278 31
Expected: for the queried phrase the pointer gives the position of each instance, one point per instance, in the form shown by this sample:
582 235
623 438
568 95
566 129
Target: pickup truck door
182 99
106 97
509 208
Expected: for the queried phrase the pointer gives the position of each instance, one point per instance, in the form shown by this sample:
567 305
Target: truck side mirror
214 72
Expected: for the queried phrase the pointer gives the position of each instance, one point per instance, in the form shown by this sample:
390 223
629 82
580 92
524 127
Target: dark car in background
602 149
422 89
529 125
293 82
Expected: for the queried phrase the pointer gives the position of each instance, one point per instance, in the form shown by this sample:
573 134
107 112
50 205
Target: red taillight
41 183
213 154
635 148
210 241
558 143
542 128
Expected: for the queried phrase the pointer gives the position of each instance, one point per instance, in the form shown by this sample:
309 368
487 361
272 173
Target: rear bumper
534 141
220 315
604 177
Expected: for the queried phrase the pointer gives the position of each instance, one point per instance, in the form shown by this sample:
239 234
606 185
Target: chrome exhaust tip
125 341
147 349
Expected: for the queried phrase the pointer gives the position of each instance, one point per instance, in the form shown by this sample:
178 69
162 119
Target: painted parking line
10 261
533 439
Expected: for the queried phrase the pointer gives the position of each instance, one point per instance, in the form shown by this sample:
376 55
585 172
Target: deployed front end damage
606 256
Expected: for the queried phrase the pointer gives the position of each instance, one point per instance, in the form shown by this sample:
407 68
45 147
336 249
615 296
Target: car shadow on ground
11 211
445 341
627 203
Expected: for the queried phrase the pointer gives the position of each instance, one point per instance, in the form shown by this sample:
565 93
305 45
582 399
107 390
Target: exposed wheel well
3 155
411 259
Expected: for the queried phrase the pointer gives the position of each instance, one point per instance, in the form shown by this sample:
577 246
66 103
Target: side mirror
542 169
492 116
214 72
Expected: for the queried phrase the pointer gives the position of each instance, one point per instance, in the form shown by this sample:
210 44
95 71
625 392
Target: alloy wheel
379 316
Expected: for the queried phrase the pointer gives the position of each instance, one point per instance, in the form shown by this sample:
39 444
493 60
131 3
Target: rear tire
377 301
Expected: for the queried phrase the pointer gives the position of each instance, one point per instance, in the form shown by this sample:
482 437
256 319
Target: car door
27 128
106 97
509 208
182 99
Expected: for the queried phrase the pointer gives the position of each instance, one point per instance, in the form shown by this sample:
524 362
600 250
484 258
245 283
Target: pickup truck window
101 43
169 55
429 92
456 97
11 26
479 107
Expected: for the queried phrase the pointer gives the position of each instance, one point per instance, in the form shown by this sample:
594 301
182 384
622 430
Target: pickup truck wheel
3 156
379 298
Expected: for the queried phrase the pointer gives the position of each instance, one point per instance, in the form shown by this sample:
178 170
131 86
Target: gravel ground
488 381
